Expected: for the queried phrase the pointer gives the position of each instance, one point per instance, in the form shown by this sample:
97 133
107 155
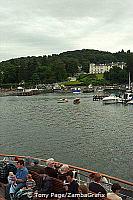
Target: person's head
116 188
64 169
91 176
11 174
29 176
70 176
50 162
83 189
97 177
36 162
16 158
20 164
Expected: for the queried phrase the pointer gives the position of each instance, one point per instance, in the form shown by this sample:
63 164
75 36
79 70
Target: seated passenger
95 186
62 175
8 166
30 183
115 190
12 182
72 187
90 178
37 168
21 175
83 190
50 170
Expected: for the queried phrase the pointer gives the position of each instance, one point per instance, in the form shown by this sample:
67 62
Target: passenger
72 187
16 158
57 166
37 168
83 190
28 190
30 183
21 175
64 169
12 182
50 170
115 190
8 167
105 184
96 187
90 178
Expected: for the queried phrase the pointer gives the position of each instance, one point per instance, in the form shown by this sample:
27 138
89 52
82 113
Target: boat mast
129 83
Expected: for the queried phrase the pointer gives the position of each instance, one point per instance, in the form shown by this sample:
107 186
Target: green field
99 76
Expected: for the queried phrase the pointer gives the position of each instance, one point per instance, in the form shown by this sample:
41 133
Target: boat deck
82 178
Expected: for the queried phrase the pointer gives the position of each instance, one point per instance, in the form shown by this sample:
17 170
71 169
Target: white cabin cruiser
112 99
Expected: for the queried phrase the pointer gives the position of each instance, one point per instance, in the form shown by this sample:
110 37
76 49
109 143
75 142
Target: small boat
112 99
76 101
76 90
128 95
63 100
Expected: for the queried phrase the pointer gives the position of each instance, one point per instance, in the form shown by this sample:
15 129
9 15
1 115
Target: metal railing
83 175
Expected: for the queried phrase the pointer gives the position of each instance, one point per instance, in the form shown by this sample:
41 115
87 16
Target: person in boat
28 190
8 166
83 190
62 172
72 187
115 190
96 187
36 167
50 169
21 177
90 178
30 183
12 182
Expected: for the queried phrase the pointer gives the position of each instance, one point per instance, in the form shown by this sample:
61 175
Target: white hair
50 160
64 167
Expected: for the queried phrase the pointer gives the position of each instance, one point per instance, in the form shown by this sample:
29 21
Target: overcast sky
42 27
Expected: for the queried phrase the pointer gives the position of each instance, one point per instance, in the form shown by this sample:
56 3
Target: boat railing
82 175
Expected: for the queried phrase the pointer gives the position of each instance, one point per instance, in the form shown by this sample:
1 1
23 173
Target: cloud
30 27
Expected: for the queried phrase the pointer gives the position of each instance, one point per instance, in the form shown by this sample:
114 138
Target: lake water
90 135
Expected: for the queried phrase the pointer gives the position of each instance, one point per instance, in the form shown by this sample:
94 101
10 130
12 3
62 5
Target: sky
45 27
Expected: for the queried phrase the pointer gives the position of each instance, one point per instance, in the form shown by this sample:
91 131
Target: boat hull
111 101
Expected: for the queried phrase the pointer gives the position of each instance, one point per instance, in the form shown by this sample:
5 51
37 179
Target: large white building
101 68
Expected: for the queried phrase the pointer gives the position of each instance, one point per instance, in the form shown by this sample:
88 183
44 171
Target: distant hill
56 67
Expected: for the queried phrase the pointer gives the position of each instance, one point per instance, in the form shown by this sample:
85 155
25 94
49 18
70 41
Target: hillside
57 67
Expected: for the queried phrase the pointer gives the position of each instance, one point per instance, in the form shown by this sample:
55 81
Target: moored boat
76 90
130 102
112 99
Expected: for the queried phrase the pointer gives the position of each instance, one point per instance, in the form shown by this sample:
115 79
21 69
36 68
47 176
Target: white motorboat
126 97
112 99
76 90
130 102
63 100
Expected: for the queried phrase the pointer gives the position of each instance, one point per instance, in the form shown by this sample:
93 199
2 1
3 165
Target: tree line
58 67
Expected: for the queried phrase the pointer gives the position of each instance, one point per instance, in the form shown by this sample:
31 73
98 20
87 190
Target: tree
116 75
130 64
